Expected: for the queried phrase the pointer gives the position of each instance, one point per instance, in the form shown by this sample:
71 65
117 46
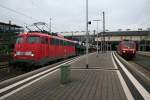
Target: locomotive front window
129 44
33 39
19 40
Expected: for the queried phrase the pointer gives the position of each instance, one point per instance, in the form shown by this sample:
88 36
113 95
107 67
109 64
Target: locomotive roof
41 34
126 41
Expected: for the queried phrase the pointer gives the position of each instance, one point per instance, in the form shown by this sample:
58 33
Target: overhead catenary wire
27 16
17 12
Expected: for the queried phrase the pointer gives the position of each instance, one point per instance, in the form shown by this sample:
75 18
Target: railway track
15 84
141 65
4 61
4 65
7 72
143 61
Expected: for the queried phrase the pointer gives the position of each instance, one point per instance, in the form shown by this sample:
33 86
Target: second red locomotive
127 49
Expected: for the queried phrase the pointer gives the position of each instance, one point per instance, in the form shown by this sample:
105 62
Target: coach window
72 44
52 41
60 42
68 43
65 43
44 41
33 39
56 41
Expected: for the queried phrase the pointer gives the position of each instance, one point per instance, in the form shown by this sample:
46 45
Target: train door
57 51
45 47
61 48
52 48
64 53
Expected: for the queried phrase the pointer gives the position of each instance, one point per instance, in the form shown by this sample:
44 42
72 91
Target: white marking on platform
145 94
123 83
27 79
26 85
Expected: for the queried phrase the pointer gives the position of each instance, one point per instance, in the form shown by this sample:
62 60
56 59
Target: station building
142 38
8 34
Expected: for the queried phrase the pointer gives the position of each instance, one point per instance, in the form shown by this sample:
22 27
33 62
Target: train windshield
19 40
33 39
129 44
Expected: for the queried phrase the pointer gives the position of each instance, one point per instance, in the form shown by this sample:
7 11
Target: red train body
127 49
38 49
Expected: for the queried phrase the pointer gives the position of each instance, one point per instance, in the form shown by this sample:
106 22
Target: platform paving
101 61
100 82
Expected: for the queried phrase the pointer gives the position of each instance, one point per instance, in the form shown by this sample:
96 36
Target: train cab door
57 50
44 48
52 48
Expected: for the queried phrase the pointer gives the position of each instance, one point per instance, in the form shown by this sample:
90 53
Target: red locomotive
36 48
127 49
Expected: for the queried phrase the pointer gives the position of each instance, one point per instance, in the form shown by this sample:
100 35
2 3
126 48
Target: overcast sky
69 15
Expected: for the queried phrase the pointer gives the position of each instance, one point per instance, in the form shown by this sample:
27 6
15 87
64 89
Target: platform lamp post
97 34
103 35
107 41
87 35
72 35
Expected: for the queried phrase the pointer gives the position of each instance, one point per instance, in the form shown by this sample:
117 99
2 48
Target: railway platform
144 53
101 81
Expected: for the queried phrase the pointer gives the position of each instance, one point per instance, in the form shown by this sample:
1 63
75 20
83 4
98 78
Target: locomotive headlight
32 54
28 53
133 51
17 53
124 51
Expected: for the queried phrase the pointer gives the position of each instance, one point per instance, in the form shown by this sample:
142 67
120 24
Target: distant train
127 49
35 48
